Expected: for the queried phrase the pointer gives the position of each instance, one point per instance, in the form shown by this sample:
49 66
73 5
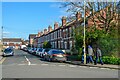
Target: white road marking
44 64
103 68
33 64
83 66
29 63
93 67
62 65
72 66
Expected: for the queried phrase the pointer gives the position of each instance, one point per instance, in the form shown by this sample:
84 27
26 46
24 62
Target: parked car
34 51
31 50
38 51
28 49
44 52
25 49
8 52
55 55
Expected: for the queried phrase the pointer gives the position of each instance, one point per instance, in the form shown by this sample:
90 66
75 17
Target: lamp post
2 36
84 35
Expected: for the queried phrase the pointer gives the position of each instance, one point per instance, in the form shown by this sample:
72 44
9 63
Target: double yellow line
2 60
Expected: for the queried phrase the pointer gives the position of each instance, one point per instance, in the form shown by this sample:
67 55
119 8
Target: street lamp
2 36
84 35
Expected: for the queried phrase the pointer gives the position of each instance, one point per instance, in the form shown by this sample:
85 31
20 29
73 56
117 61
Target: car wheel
49 59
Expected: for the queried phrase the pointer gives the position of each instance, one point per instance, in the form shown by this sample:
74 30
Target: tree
106 38
95 9
47 44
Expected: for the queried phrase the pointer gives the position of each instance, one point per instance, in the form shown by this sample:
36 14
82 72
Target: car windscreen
40 50
57 52
7 51
46 50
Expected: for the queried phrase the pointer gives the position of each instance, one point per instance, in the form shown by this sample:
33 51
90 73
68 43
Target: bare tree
103 12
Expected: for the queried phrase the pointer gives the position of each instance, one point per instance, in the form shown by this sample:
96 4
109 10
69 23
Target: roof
12 40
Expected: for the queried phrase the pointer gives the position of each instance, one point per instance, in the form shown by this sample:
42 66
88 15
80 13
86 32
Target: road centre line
29 63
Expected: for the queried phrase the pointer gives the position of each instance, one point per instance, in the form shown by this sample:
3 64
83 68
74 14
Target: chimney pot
63 21
49 28
45 31
55 25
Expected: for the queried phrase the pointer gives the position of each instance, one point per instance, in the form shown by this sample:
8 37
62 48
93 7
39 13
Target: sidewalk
92 65
1 55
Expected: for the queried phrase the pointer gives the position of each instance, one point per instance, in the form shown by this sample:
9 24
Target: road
24 65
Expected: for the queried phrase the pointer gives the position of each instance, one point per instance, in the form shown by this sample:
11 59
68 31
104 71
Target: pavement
1 56
92 65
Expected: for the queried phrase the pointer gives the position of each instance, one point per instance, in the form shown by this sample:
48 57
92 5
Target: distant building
31 38
13 42
26 42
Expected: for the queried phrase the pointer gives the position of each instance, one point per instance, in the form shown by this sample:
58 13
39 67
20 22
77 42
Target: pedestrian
90 54
99 56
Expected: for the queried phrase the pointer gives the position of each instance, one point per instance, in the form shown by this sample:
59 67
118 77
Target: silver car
55 55
8 52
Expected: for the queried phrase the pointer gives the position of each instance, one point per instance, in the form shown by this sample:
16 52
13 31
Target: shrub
111 60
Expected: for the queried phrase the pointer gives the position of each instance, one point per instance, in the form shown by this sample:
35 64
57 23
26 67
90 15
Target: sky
19 19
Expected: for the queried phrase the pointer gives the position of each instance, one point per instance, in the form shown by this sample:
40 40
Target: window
59 44
56 34
70 44
55 45
60 33
65 44
72 31
66 33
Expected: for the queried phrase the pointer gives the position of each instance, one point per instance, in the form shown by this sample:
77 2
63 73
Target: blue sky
23 18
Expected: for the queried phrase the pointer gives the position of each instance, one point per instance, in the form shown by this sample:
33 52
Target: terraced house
62 37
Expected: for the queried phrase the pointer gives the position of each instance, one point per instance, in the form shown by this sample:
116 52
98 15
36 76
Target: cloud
6 32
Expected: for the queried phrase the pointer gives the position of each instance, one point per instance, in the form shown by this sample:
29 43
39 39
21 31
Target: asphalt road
24 65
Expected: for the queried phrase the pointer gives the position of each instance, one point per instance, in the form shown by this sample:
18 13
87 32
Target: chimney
63 21
45 31
39 34
49 28
55 25
78 16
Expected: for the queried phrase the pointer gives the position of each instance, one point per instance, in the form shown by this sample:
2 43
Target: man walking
98 56
90 53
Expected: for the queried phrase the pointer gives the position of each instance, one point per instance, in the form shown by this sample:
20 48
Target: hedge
111 60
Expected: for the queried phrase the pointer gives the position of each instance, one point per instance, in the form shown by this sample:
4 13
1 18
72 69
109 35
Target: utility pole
2 36
84 34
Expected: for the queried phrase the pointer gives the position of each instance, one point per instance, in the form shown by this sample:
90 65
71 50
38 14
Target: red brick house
13 42
62 36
